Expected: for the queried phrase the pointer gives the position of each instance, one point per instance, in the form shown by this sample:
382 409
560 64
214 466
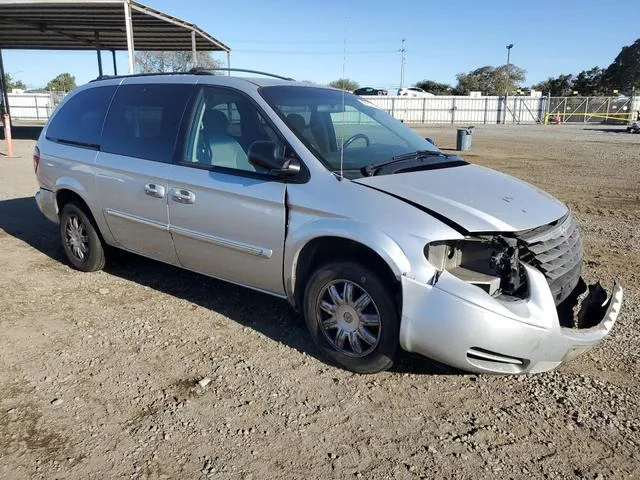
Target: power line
308 42
310 52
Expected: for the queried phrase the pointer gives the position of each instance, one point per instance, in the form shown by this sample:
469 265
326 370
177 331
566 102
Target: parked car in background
370 91
381 240
414 92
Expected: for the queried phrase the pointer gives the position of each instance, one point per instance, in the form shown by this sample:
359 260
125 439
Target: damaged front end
495 263
532 277
489 262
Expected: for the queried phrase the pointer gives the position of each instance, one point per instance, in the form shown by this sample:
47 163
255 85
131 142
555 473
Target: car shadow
272 317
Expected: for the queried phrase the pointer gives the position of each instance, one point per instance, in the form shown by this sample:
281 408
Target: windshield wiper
370 170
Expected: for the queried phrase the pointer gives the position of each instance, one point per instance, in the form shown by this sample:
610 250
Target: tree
10 83
490 80
159 62
436 88
624 73
590 82
345 84
560 86
64 82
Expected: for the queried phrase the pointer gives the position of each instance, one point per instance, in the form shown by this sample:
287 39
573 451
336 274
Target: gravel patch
146 371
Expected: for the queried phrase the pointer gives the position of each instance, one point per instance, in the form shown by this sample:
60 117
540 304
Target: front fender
362 233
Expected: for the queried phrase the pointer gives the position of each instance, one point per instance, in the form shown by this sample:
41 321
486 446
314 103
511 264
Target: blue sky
304 39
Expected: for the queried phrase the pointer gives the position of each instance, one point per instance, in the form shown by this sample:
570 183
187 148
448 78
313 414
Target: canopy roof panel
93 24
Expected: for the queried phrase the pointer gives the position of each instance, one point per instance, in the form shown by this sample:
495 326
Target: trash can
463 140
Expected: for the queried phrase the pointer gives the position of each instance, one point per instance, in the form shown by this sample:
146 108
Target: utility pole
506 87
402 52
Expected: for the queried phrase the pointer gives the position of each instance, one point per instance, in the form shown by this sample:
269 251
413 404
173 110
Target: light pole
402 52
506 86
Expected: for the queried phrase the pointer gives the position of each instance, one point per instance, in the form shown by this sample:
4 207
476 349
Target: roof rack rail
129 75
201 70
193 71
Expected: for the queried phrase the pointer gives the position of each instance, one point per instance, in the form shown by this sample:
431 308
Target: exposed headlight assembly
490 263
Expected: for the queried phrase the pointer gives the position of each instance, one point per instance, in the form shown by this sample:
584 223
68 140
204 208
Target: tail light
36 158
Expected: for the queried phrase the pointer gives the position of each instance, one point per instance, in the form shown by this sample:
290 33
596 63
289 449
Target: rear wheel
80 239
352 317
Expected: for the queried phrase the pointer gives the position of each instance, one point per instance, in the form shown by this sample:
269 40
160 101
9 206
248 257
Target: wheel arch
67 189
65 195
70 192
374 249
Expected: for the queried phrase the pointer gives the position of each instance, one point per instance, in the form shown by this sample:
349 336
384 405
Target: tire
327 321
81 241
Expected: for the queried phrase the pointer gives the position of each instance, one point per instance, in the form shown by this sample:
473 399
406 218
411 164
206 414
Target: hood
475 198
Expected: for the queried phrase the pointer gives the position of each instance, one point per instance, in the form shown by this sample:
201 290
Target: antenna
344 68
402 51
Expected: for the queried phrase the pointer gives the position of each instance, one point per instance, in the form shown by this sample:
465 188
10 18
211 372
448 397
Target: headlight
490 263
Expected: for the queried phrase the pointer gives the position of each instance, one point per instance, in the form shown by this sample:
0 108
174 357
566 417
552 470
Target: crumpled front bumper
460 325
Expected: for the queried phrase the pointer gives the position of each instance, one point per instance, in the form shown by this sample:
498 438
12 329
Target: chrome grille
555 250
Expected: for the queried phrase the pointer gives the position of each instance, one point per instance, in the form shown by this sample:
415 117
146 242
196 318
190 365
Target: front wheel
352 317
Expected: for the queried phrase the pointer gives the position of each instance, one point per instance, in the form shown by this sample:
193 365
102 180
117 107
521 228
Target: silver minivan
316 196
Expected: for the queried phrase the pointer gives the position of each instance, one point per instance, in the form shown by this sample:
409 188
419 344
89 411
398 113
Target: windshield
317 117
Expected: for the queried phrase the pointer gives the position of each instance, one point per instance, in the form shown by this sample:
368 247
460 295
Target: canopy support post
3 85
6 114
229 63
98 53
115 67
193 49
129 28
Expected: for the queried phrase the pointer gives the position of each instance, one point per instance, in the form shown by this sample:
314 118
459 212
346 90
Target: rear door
227 219
132 168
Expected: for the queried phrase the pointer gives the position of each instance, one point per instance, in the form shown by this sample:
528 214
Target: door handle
154 190
183 196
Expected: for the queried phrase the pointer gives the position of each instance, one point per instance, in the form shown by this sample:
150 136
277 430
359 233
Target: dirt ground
98 371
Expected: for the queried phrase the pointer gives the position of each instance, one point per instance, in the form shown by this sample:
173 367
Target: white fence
463 110
438 109
33 106
517 109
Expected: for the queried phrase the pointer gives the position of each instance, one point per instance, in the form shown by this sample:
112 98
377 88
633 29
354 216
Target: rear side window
80 119
144 120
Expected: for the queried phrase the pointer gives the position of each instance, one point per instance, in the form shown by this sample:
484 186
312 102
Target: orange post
6 123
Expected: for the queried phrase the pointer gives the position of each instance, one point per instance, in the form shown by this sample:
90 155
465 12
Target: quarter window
144 120
80 118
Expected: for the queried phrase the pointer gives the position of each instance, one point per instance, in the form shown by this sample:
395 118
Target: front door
132 168
227 220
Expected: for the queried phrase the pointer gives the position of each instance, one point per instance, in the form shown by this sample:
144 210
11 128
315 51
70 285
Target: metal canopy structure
98 25
72 25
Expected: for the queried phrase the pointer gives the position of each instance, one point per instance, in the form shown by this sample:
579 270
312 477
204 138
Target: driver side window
223 127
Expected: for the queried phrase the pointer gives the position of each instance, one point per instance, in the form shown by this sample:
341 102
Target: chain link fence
611 110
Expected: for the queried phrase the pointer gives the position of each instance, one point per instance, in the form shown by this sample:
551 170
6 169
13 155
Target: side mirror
270 155
430 140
